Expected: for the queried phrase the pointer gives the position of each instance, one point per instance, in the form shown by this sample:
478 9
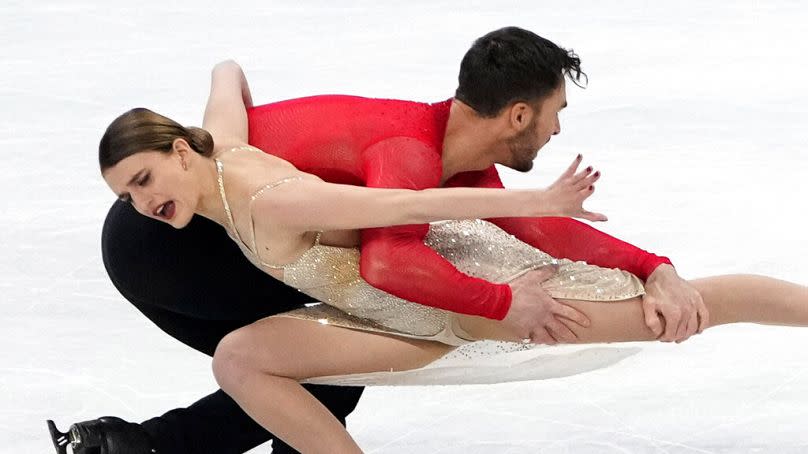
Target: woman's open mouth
165 211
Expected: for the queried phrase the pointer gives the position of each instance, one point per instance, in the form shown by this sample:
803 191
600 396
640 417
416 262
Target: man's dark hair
511 65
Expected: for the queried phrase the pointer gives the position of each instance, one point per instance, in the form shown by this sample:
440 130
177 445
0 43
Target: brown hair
141 130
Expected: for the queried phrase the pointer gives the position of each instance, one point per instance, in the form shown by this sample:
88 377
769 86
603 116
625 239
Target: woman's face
157 185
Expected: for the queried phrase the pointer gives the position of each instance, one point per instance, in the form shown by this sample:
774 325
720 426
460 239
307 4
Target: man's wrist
664 269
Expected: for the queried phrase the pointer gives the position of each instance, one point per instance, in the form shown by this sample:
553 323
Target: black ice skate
106 435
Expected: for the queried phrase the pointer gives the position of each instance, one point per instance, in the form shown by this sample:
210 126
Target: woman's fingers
570 172
594 217
580 176
587 179
586 191
584 183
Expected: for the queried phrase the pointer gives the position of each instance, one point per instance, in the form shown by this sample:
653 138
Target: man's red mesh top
398 144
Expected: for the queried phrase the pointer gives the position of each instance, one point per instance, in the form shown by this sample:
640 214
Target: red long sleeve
565 237
396 260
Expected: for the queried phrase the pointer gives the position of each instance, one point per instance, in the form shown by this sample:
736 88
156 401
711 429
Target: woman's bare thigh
612 321
299 349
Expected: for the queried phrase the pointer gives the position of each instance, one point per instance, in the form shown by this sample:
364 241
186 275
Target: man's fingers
542 336
561 332
537 276
687 328
545 272
652 319
672 321
704 317
571 314
687 325
693 323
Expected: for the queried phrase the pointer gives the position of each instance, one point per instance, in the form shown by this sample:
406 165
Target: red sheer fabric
397 144
396 260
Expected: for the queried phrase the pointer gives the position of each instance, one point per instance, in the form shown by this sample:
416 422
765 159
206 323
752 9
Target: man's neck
470 142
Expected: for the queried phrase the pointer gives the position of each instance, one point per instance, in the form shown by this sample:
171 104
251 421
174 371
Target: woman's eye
144 180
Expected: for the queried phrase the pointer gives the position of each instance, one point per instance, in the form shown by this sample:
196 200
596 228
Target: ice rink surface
695 112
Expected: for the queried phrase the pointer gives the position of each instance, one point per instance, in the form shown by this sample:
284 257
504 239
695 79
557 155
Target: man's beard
523 148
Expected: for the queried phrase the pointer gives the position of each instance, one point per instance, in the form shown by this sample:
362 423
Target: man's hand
670 297
535 315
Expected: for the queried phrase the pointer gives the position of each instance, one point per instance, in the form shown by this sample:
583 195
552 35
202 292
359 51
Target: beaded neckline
228 212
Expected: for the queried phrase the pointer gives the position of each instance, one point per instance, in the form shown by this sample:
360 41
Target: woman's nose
141 203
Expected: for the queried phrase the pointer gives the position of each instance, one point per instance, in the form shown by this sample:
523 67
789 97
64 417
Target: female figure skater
303 231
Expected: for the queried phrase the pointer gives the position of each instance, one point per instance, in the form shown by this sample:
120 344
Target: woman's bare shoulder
255 170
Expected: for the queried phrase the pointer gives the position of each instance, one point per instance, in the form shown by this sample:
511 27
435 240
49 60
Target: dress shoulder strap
274 184
239 148
254 196
252 247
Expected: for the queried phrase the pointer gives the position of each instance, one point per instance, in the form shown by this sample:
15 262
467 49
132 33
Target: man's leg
216 423
197 286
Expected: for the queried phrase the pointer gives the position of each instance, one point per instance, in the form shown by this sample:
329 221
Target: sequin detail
481 249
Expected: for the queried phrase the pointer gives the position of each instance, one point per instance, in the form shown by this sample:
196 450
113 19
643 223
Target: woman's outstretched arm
311 204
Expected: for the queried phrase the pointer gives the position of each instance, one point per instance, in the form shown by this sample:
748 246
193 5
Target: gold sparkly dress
478 248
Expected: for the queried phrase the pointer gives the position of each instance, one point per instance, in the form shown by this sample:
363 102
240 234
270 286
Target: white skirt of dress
488 362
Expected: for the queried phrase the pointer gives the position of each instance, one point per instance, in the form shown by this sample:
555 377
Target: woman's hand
566 196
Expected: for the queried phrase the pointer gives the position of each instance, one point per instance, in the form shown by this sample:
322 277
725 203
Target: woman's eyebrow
131 181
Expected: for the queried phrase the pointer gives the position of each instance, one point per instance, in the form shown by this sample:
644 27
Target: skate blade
60 440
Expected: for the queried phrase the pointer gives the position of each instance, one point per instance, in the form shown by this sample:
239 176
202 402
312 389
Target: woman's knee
236 358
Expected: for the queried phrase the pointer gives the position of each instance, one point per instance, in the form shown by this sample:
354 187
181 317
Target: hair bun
201 140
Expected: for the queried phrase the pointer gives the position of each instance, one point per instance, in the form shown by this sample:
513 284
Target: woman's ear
181 148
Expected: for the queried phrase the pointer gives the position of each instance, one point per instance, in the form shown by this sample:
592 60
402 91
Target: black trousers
196 285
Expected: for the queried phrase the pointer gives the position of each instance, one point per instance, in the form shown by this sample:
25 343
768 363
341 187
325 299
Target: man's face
543 124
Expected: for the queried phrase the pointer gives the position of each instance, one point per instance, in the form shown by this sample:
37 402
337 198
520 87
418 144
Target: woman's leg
259 365
730 299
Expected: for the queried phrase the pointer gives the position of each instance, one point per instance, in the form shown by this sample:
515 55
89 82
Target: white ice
695 113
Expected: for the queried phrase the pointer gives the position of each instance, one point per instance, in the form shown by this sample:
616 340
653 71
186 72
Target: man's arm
396 260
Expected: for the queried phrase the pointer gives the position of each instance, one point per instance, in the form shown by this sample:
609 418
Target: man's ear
520 115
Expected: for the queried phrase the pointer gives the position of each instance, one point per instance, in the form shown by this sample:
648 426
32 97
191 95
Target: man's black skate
106 435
